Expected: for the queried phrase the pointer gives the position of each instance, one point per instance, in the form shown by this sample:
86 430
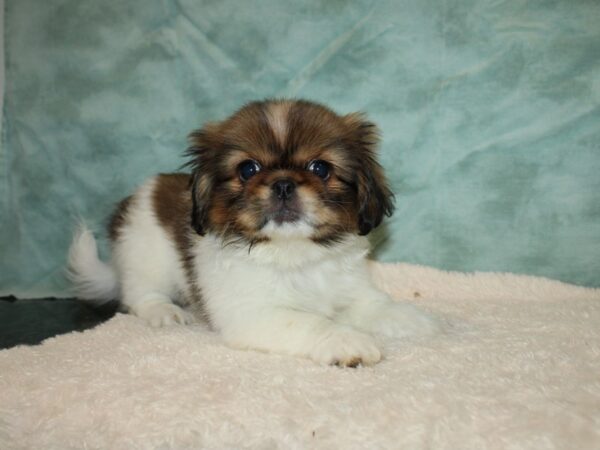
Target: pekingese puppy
265 238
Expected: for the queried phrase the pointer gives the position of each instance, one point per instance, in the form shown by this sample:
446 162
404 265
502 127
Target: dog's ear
375 199
200 198
203 145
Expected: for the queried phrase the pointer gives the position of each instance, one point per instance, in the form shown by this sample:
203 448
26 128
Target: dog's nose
284 188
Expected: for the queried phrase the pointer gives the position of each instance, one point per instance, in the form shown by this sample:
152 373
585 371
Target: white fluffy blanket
519 368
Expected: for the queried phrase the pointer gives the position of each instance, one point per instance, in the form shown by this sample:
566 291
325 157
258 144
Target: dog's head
282 168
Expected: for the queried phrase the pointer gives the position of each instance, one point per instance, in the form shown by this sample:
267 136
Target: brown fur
284 137
353 199
118 219
173 205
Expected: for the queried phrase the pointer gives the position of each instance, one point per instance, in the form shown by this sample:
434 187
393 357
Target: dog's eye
248 169
319 168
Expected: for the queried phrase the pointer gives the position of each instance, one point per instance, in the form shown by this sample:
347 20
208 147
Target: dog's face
287 169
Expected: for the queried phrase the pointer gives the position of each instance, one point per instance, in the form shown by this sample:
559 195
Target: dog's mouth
286 219
284 212
285 215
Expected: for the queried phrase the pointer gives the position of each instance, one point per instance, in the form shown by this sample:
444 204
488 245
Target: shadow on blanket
30 321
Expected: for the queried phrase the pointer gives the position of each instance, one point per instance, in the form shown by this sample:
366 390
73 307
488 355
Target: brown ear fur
375 198
203 145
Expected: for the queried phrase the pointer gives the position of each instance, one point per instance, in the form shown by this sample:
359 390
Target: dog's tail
93 280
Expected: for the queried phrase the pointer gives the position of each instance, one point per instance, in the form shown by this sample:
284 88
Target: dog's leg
375 312
148 264
158 310
149 297
301 333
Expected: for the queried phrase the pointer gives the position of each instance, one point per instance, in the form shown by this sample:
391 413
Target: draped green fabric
489 112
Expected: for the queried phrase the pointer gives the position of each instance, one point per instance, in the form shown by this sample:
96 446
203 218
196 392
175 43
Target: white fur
277 115
148 264
288 295
92 279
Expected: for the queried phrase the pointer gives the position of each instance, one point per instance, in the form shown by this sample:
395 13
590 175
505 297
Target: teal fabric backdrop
489 111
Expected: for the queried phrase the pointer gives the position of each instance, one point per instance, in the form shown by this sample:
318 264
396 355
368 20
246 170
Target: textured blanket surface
519 367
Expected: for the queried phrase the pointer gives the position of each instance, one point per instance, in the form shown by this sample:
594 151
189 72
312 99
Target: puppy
265 238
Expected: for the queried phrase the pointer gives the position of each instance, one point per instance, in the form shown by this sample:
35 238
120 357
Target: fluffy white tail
93 280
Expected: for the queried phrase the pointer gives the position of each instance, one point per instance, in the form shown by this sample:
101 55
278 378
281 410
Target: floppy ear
375 199
199 201
203 144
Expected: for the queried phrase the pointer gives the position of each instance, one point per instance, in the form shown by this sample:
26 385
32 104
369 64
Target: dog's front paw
159 314
402 320
346 347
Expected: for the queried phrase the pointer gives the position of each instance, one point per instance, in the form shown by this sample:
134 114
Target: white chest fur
290 273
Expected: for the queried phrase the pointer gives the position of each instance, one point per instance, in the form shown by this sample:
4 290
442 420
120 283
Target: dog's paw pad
352 362
345 347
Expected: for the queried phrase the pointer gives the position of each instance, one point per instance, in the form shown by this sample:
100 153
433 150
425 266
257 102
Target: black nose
284 188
